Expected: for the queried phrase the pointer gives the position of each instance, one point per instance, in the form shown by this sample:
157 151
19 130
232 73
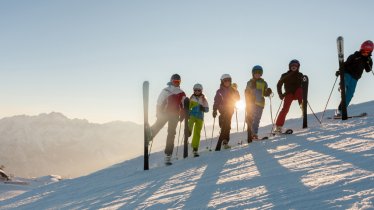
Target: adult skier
353 68
169 110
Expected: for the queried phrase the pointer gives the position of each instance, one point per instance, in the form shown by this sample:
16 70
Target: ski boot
278 130
226 145
338 113
195 153
168 160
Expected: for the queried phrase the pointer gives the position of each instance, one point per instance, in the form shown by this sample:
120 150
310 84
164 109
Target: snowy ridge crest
326 166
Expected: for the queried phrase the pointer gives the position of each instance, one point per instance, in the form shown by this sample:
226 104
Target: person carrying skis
198 105
169 110
353 68
292 81
224 101
255 92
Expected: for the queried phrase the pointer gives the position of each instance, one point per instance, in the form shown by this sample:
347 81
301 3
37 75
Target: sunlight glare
240 105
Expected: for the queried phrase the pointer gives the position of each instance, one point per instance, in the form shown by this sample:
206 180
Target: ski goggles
257 72
365 52
176 82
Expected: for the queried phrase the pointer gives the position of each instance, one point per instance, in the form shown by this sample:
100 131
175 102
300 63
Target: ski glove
281 96
370 62
337 73
202 108
268 92
214 113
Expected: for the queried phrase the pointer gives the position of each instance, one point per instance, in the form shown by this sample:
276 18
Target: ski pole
210 148
205 132
237 124
328 99
179 133
314 113
276 115
271 109
245 117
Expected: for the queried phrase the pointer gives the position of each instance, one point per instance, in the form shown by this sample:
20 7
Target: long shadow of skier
288 191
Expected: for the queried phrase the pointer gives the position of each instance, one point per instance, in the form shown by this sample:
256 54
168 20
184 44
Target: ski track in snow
324 166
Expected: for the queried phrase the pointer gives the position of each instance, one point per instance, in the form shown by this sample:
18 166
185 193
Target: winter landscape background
45 144
322 167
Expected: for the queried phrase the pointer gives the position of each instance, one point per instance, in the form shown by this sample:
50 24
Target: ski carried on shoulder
353 116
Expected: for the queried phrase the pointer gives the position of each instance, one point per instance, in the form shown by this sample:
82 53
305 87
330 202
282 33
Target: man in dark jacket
292 81
353 68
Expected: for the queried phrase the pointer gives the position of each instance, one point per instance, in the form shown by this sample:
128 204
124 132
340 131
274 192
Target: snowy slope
328 166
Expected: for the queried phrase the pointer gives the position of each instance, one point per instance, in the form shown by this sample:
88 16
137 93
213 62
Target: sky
88 59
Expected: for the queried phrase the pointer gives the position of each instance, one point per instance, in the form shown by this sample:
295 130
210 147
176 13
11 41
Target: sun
240 105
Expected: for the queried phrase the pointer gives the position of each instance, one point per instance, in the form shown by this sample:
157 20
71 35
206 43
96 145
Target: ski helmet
198 86
294 61
175 77
225 76
367 46
257 69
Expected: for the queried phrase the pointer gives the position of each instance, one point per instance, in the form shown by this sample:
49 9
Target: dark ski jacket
225 99
291 80
356 63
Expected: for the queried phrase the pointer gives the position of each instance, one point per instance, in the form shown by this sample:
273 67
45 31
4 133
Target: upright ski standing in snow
146 124
305 84
340 44
186 106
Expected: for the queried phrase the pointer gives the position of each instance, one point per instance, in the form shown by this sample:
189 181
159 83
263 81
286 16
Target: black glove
281 96
370 62
337 73
202 108
214 113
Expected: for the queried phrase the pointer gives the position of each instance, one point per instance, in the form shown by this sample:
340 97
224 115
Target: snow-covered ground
323 167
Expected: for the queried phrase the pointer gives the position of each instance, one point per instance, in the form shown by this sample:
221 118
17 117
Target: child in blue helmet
255 92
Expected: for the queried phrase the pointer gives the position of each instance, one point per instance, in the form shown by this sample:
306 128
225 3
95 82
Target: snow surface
323 167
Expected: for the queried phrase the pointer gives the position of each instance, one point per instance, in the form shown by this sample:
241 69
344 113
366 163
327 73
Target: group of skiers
170 101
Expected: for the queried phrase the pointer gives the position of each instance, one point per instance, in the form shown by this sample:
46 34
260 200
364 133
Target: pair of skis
147 134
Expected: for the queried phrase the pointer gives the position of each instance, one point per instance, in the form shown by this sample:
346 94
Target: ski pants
253 119
196 124
224 121
172 120
350 88
298 95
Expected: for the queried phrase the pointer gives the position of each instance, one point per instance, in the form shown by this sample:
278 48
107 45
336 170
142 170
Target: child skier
353 68
255 91
169 110
198 105
224 101
292 81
